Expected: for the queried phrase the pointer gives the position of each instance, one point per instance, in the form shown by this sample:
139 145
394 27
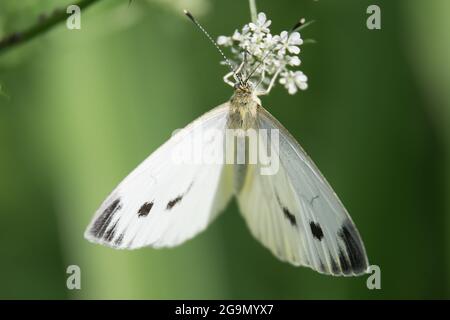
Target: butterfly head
242 85
245 93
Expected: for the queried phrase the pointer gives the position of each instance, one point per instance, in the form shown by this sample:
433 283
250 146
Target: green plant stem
253 10
44 23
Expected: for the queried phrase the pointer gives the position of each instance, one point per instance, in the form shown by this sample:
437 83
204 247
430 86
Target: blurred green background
83 108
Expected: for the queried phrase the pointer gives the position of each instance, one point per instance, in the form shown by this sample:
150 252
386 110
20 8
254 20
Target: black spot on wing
101 224
173 202
287 213
354 247
316 230
145 209
289 216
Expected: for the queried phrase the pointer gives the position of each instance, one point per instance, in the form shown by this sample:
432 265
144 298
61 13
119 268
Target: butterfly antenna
259 64
191 17
301 24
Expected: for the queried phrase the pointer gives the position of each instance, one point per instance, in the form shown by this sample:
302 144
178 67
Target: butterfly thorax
241 118
243 108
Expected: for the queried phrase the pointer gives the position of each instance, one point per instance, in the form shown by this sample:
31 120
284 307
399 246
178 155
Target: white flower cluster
269 55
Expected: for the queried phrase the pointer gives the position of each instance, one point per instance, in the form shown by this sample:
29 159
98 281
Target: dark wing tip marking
173 202
334 266
287 213
323 269
316 230
145 209
101 224
345 266
354 247
109 234
119 240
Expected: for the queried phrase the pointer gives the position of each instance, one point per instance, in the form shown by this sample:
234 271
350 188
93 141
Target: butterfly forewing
164 202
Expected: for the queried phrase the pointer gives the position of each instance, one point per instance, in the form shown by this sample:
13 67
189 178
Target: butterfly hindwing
296 214
164 202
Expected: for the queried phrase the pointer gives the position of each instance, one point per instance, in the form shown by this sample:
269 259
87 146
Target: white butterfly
293 212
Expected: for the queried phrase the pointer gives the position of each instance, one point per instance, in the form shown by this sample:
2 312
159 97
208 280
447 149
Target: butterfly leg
235 73
263 76
226 78
271 84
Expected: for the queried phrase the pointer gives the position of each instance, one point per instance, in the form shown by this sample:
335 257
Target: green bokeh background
85 107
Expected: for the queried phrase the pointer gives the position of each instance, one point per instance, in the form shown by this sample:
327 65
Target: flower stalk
253 10
267 56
